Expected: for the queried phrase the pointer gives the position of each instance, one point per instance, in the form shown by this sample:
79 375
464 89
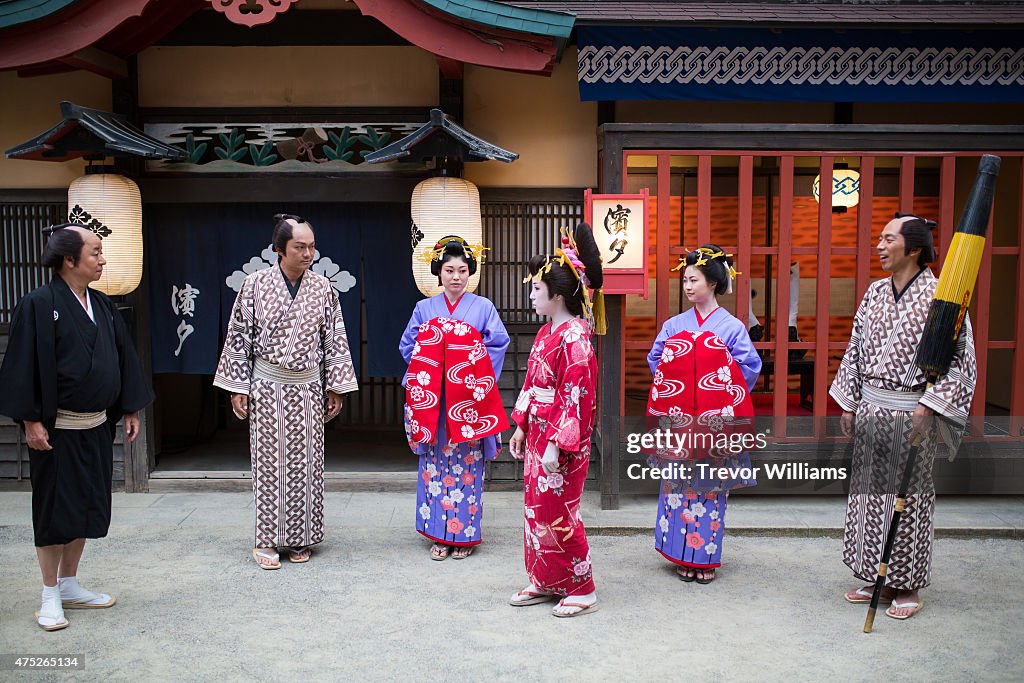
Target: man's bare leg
49 557
70 557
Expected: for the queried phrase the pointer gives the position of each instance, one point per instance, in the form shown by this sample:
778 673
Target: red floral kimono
557 403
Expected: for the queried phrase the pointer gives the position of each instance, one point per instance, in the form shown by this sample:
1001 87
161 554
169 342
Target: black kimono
58 357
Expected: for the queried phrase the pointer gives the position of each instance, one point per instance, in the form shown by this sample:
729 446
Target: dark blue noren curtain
213 246
182 258
389 287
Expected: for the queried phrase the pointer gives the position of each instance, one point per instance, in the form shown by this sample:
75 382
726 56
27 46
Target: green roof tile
536 21
14 12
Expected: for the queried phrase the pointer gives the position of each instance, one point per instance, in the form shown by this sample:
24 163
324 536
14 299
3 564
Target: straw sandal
862 596
583 608
461 552
687 574
526 597
708 577
299 555
274 559
914 605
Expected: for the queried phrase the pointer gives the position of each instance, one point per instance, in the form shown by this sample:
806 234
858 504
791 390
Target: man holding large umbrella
887 405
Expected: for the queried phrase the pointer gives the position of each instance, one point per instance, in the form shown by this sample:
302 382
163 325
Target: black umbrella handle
894 525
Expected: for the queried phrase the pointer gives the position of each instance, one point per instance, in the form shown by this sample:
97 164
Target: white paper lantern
443 206
110 205
845 188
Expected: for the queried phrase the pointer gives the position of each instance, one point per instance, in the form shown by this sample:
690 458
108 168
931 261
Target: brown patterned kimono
285 354
887 330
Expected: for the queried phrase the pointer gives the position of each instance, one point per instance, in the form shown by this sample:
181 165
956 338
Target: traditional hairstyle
917 234
575 267
283 231
714 264
62 243
452 247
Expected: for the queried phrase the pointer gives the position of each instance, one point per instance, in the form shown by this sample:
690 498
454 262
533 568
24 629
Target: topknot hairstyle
62 243
917 234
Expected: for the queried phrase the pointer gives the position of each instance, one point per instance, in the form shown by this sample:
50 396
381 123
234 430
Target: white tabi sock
71 592
50 611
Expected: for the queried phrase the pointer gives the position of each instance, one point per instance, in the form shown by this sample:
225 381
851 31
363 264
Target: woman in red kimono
555 418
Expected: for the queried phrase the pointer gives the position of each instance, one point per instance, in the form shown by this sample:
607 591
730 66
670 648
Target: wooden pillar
781 381
140 456
450 96
1017 381
611 354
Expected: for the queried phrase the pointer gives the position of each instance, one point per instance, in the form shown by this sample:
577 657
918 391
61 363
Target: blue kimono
691 519
450 485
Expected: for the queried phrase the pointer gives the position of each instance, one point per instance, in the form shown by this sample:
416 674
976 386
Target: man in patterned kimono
286 362
886 405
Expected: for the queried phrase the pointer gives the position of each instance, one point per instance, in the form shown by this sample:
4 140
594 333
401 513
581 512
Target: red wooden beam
97 61
662 266
947 197
744 229
821 300
452 69
907 184
983 297
864 227
781 382
1017 381
703 200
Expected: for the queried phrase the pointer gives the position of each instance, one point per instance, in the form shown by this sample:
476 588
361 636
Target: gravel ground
193 606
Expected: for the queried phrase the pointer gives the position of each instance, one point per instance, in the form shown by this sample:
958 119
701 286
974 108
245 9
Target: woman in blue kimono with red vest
455 345
691 512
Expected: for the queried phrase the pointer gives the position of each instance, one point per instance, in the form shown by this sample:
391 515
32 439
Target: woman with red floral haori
455 345
554 415
704 366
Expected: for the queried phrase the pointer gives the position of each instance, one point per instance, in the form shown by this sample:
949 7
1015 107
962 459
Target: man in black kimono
69 374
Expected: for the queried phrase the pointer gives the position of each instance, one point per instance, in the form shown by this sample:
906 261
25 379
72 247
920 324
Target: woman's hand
550 460
515 444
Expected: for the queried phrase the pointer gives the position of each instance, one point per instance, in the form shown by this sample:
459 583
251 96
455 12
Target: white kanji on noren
183 303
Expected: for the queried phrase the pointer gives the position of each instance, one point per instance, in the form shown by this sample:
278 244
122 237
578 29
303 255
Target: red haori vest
698 394
452 351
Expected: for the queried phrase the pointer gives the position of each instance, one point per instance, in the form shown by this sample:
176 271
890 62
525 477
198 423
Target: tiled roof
85 131
452 140
539 20
937 14
14 12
